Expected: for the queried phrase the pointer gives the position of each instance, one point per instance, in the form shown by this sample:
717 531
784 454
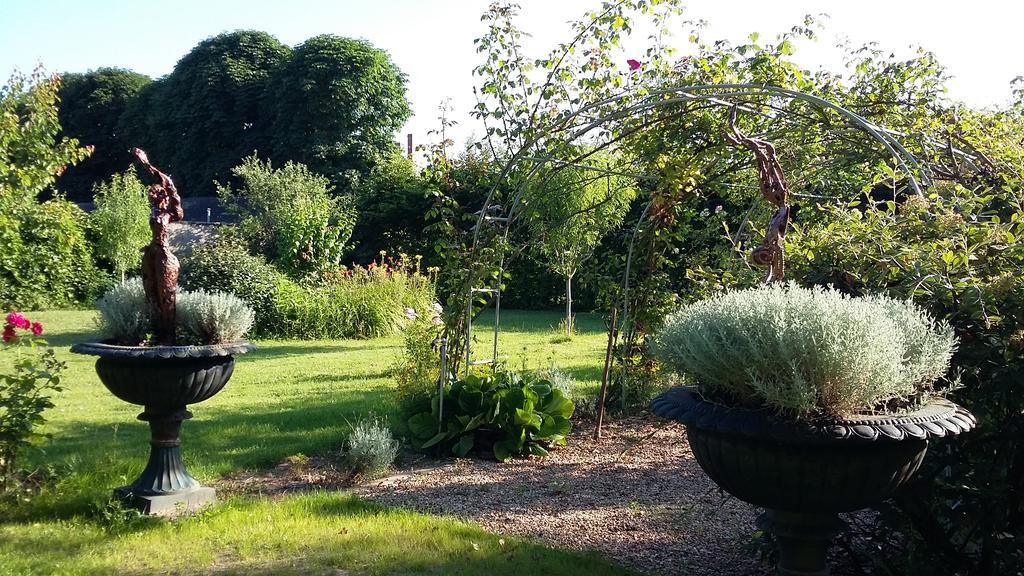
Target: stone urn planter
165 380
804 473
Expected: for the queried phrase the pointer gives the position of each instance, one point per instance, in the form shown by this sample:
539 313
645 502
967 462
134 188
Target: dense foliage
807 353
361 302
45 258
92 104
335 105
208 113
355 303
290 215
226 265
332 103
120 221
502 413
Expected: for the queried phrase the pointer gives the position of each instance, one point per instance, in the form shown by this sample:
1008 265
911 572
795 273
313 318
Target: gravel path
637 496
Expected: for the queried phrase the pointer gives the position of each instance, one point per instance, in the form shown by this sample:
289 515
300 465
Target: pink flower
37 328
9 333
633 64
16 319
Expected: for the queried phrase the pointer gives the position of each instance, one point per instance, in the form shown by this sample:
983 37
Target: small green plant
125 315
559 379
24 393
371 448
213 317
504 412
807 353
120 221
418 370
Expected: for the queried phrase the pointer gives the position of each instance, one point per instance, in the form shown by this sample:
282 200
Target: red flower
9 333
37 328
633 64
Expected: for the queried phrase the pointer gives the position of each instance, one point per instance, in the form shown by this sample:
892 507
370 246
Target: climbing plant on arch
666 117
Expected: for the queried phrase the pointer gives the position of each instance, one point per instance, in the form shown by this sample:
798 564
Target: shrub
289 215
120 221
227 266
45 258
358 303
959 255
559 380
417 371
371 448
125 315
24 393
807 352
212 317
503 412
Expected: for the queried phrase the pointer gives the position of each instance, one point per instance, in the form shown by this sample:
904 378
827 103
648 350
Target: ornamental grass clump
807 353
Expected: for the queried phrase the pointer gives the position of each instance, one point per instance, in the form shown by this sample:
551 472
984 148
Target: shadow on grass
60 339
313 533
87 461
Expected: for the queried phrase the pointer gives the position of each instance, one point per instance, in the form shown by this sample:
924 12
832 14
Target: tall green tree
206 115
91 106
336 104
120 221
570 210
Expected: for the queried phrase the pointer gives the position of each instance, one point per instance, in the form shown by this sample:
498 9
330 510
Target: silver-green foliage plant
125 315
213 317
807 353
371 448
121 221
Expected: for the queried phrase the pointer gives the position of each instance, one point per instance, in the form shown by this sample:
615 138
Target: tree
208 113
91 106
121 221
290 215
391 203
336 104
571 209
32 150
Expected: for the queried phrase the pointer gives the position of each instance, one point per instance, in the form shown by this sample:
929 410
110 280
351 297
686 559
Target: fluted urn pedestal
804 474
165 380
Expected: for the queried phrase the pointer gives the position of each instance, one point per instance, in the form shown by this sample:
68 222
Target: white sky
432 40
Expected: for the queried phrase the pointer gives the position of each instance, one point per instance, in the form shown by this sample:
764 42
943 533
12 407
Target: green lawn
290 397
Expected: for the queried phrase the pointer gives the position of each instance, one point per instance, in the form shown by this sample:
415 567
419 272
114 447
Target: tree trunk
568 306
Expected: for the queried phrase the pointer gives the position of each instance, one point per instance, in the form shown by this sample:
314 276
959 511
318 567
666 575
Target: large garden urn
165 380
804 473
